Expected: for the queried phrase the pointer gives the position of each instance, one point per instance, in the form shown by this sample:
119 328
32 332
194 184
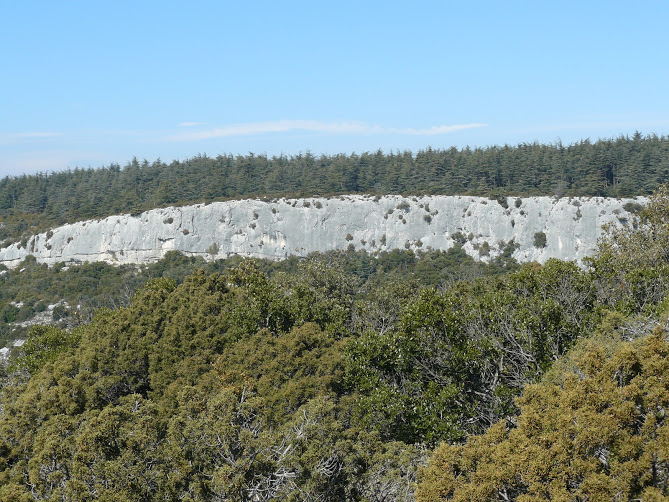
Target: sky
87 84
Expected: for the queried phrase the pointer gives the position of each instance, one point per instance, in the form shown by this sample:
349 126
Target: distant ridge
621 167
528 229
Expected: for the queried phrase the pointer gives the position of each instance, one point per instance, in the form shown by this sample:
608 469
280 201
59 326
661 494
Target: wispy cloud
191 124
257 128
11 138
434 130
35 134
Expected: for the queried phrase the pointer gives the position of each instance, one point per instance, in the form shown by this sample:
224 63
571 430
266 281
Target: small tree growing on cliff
540 240
213 249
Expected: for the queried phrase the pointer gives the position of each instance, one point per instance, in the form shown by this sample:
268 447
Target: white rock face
286 227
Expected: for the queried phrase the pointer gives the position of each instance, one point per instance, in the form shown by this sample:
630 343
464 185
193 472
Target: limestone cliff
279 228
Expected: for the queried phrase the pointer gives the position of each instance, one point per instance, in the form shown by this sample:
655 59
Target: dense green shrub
540 240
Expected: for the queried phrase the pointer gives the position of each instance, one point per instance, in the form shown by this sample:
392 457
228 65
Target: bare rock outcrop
540 227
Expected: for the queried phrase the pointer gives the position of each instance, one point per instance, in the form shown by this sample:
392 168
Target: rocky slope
279 228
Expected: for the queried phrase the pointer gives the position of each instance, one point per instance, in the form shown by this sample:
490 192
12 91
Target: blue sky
89 83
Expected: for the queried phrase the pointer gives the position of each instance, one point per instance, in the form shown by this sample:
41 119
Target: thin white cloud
257 128
191 124
435 130
35 134
11 138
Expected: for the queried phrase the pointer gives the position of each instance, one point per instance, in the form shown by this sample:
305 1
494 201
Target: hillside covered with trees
76 292
311 383
621 167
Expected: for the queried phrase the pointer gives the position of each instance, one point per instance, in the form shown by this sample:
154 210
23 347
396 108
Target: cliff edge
540 227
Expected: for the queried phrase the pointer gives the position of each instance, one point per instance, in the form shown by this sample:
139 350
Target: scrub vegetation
344 376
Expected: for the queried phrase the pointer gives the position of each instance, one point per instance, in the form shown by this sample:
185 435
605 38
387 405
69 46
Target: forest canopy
621 167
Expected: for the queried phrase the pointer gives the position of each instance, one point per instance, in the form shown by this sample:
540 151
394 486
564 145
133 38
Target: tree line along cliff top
621 167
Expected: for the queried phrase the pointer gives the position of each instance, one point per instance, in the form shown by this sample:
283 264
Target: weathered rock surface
286 227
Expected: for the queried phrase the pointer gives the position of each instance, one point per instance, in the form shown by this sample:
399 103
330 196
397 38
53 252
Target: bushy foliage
540 240
30 288
600 435
44 344
632 263
225 387
452 361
